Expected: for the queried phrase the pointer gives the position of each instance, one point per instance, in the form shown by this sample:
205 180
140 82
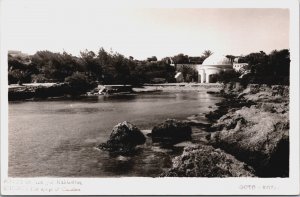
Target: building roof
216 60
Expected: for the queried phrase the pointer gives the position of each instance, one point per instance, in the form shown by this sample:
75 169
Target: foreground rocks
171 131
258 137
206 161
257 134
123 138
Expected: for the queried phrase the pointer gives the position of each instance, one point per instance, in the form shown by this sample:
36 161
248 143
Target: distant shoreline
205 85
33 91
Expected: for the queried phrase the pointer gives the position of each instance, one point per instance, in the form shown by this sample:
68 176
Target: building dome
212 66
216 60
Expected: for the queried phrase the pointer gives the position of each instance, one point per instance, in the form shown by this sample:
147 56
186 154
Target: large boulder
206 161
123 138
258 135
171 131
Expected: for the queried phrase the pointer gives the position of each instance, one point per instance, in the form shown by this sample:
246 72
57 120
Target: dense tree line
113 68
273 68
103 67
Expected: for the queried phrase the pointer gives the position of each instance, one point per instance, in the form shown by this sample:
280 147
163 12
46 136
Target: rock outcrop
258 134
171 131
123 138
263 93
230 103
45 91
206 161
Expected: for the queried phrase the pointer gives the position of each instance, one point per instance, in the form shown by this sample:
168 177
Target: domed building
212 65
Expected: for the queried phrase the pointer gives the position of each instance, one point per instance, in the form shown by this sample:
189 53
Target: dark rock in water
171 131
123 138
212 92
205 161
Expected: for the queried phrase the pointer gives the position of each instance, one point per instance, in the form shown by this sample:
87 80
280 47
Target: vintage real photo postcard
172 97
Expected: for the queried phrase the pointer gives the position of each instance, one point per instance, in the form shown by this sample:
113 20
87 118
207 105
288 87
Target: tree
196 60
52 65
120 63
181 59
258 63
92 64
103 57
231 58
16 76
188 73
152 59
280 62
207 53
78 82
226 76
20 69
167 60
268 69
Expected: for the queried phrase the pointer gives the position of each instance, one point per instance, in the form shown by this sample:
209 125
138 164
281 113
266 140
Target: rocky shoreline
249 136
246 134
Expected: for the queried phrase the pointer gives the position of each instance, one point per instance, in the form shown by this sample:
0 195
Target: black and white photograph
132 91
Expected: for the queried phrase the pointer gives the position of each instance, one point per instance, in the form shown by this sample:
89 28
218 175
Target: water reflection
126 97
118 165
58 138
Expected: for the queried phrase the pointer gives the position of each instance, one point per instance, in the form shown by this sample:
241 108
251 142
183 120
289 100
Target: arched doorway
212 78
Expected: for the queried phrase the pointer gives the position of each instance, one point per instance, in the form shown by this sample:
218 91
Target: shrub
39 78
78 83
16 76
226 76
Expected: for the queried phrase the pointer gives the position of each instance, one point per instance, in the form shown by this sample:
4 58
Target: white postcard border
167 186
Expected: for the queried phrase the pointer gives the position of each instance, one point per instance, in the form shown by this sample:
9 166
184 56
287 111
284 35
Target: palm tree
207 53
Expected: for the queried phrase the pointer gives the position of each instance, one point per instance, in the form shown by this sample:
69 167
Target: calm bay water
59 138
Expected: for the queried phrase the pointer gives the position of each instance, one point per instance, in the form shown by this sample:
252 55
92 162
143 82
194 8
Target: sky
34 25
